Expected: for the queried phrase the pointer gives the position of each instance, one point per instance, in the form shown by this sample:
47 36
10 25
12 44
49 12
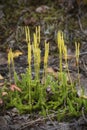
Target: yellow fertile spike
35 40
39 34
27 33
10 56
46 52
65 52
62 42
77 47
29 54
36 52
59 39
38 56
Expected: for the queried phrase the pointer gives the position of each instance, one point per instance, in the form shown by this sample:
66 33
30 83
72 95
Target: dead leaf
42 9
17 53
51 71
4 93
1 77
13 87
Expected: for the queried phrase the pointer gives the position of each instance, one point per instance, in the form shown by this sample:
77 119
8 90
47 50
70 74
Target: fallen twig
85 119
29 123
81 28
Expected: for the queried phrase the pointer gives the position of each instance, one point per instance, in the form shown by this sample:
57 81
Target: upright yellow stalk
36 51
10 57
66 61
27 33
29 54
65 53
29 60
46 57
60 47
38 57
62 51
38 34
59 41
35 41
29 74
37 60
77 47
11 64
62 42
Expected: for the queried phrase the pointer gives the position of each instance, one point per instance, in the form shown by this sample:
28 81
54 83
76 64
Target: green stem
60 57
29 87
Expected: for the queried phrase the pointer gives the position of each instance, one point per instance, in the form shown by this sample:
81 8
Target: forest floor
51 19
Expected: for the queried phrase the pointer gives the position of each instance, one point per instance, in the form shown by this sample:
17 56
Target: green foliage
57 95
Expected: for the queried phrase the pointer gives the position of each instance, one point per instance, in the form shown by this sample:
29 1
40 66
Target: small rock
42 9
3 124
1 14
2 121
8 119
14 111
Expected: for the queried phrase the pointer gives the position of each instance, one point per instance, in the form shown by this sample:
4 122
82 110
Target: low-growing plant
28 94
77 46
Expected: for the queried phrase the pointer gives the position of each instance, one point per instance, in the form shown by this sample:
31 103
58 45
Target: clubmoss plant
29 74
13 93
46 55
10 62
35 89
77 48
36 51
54 95
66 63
27 33
60 48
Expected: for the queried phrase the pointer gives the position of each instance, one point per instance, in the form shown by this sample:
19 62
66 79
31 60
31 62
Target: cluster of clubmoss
30 94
